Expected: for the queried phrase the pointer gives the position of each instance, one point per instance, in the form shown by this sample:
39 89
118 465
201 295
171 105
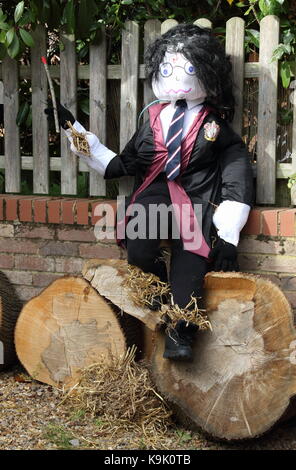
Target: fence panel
12 159
98 106
235 47
39 119
267 111
130 72
129 91
68 79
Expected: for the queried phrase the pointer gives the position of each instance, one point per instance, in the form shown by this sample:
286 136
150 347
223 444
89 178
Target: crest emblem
212 130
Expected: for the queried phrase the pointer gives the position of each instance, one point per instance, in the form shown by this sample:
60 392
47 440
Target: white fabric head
177 80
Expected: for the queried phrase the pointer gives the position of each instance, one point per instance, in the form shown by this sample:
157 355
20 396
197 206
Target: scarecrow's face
177 79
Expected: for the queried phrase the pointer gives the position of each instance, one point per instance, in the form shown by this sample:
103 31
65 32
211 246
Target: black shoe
178 342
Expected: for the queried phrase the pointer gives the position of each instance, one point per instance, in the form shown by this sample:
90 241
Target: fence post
129 91
97 106
235 47
167 25
151 32
39 119
267 111
203 23
68 78
12 134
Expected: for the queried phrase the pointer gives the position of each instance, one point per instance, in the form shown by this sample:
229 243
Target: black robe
217 171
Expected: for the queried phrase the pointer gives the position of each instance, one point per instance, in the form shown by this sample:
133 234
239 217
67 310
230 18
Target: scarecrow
187 158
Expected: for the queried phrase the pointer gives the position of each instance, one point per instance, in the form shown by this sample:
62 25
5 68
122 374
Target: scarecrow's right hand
64 115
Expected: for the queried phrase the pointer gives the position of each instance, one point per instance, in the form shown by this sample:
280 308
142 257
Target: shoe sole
173 357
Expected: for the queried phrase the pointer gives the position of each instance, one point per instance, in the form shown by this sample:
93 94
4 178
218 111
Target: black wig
204 51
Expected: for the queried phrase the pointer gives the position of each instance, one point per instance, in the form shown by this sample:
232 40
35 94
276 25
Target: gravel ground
32 417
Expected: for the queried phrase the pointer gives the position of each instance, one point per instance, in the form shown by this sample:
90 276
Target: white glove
229 218
100 156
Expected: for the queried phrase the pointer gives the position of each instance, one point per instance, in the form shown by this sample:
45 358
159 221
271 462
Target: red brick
27 292
253 225
272 263
270 222
54 211
288 283
25 210
99 251
291 296
79 235
82 212
19 246
69 265
44 279
2 208
33 231
11 208
285 246
108 206
287 223
40 210
34 263
68 211
19 277
6 261
53 248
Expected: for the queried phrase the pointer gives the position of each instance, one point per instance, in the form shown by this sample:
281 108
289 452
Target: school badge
212 130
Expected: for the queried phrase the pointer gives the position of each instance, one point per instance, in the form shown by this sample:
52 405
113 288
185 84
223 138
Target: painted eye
190 69
166 69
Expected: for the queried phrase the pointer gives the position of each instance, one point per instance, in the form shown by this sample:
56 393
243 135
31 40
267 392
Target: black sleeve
123 164
236 168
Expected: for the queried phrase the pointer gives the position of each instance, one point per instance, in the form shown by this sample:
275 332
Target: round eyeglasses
166 69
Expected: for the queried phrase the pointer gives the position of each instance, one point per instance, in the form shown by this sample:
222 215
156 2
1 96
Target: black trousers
187 270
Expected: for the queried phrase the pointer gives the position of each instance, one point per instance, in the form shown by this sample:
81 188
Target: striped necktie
173 141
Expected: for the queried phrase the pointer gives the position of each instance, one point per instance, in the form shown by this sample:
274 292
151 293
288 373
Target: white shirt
229 217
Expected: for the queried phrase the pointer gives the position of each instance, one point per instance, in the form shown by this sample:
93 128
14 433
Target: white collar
190 103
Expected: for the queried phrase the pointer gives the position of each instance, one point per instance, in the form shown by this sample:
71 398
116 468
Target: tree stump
65 329
10 307
243 375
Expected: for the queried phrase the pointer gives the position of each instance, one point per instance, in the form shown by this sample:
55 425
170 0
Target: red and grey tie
173 141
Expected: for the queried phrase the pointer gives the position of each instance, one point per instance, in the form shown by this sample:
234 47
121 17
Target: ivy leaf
129 2
69 16
286 73
22 113
19 10
27 38
14 47
253 36
9 36
2 37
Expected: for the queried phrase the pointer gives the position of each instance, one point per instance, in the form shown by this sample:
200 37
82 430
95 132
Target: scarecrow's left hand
224 256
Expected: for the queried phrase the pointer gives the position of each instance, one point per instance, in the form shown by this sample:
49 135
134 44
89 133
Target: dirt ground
33 417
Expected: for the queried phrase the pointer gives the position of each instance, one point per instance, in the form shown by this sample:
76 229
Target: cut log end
243 374
65 329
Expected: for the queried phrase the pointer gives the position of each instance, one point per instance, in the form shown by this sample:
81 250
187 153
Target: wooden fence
130 72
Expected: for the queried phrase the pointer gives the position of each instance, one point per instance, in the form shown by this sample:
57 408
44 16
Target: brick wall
44 238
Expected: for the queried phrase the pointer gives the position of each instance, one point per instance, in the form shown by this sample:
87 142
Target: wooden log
65 329
243 375
10 307
107 278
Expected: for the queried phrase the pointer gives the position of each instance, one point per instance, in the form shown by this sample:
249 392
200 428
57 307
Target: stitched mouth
178 91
